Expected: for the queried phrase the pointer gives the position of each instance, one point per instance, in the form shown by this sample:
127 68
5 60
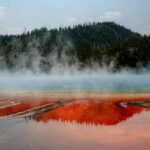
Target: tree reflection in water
94 111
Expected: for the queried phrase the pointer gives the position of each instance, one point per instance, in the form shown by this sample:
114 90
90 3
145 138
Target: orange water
74 121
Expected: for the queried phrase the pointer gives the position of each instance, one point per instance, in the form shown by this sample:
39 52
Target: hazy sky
15 15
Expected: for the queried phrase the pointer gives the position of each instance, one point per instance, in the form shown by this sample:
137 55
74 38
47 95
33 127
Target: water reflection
94 111
91 112
116 122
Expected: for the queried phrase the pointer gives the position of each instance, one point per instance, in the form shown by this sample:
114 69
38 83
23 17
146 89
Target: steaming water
92 82
90 124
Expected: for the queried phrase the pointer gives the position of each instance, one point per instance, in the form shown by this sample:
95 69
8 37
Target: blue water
92 82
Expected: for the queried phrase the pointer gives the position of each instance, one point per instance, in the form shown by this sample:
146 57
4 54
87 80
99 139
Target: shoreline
70 95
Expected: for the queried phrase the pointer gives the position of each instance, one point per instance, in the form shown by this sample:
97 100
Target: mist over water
87 81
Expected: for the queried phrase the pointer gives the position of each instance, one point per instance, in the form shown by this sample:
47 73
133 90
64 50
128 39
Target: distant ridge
106 44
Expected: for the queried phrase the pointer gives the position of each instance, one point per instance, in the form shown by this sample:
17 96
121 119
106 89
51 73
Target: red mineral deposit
97 111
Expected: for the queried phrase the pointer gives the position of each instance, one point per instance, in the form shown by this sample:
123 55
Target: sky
16 16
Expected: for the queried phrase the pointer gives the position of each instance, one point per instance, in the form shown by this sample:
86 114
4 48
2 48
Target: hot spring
74 111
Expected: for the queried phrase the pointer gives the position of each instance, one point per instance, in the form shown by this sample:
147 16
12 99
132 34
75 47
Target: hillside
104 44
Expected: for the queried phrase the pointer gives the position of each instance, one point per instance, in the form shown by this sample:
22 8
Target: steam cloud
60 60
57 61
96 82
61 71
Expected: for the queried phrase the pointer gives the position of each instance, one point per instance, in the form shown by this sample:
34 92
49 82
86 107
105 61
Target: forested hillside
100 44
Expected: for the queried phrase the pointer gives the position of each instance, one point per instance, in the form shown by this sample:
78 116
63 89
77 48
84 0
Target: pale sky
15 15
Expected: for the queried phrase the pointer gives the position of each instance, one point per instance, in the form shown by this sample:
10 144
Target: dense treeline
105 43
